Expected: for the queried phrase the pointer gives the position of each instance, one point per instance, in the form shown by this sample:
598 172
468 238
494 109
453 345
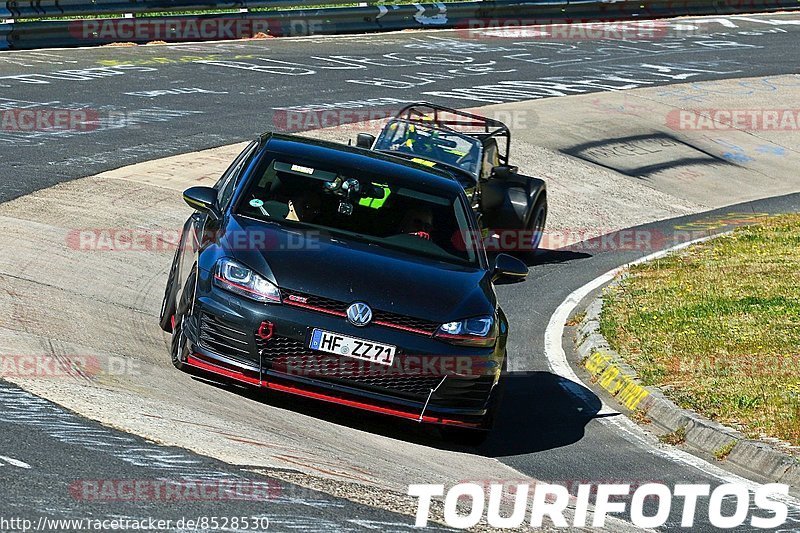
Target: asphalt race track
161 100
60 444
157 101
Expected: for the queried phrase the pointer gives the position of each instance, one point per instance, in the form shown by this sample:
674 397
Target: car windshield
380 210
452 149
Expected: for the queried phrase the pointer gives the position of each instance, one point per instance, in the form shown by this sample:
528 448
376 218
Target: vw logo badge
359 314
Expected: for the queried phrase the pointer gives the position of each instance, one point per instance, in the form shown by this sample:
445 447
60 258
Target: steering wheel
422 235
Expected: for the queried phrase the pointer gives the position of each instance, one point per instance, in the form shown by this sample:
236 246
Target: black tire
476 437
178 347
168 304
178 350
536 223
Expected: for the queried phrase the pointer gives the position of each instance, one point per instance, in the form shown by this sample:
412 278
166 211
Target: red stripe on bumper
238 375
408 415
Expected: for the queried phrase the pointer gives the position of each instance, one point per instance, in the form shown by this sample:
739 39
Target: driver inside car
418 221
422 143
304 207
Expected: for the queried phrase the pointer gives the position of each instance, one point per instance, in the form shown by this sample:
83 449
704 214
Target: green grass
576 319
675 438
717 327
724 451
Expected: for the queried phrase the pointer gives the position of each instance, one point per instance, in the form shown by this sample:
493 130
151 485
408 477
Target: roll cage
459 122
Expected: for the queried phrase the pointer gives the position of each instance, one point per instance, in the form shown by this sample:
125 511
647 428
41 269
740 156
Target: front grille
292 357
279 346
393 320
381 318
319 303
222 337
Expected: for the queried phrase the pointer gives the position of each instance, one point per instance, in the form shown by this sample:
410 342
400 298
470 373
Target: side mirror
365 140
202 199
504 171
508 266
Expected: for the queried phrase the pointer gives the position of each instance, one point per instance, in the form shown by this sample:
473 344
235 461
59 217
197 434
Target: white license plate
326 341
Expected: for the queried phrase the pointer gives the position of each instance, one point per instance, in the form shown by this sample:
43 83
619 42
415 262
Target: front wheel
179 345
476 437
535 226
168 306
178 351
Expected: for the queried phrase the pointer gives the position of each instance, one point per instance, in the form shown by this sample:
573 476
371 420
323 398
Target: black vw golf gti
344 275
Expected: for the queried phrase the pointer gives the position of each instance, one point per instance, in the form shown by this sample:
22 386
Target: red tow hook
265 330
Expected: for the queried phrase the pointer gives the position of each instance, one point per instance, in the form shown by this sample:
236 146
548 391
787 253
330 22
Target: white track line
558 363
13 462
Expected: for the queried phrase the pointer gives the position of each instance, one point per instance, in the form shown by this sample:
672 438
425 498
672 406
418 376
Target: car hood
350 270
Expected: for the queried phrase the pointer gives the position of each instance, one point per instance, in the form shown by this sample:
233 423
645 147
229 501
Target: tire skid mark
312 464
214 429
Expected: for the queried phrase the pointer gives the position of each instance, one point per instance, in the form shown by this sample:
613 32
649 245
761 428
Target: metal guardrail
73 8
329 20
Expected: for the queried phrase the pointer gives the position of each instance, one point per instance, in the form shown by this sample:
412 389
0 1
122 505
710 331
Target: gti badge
359 314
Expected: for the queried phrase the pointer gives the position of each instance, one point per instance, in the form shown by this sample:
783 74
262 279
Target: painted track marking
13 462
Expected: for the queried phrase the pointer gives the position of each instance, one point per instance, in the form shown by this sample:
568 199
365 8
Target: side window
227 183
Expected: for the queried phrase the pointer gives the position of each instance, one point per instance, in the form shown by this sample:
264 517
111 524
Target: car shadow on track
544 257
549 257
536 413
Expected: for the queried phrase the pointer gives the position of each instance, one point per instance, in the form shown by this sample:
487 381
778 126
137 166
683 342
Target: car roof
340 155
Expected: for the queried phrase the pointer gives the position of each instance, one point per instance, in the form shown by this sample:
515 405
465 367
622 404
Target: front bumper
430 381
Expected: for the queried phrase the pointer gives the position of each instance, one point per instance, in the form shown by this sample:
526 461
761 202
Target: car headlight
477 331
237 278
